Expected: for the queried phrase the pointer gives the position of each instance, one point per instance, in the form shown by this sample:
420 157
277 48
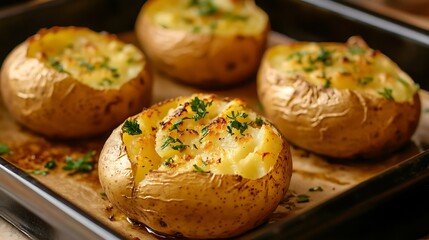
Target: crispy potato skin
57 105
192 204
335 123
205 60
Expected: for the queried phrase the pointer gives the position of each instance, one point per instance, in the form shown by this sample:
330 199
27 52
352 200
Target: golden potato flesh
209 43
338 100
72 82
199 167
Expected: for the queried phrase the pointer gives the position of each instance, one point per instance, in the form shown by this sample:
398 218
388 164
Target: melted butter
219 150
97 60
338 66
221 17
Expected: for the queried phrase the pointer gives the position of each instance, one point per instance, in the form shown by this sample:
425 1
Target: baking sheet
83 189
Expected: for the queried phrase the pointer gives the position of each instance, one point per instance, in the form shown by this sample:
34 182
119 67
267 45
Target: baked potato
198 167
338 100
209 43
70 82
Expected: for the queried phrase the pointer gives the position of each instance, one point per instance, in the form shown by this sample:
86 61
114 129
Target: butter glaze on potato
71 82
219 184
209 43
338 100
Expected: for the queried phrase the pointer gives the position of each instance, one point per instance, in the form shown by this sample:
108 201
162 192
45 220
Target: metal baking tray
402 189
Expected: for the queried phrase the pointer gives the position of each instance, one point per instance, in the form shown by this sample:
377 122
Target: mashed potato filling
353 66
221 17
202 134
97 60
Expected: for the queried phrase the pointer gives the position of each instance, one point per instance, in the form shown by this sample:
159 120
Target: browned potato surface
198 167
70 82
338 100
209 43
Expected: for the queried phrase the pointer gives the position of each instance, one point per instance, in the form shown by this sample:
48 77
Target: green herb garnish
106 82
324 56
316 189
309 68
403 82
205 132
4 149
168 161
200 108
297 55
327 83
83 164
103 194
387 93
205 7
199 169
235 17
365 80
355 50
302 198
235 123
176 125
56 64
169 142
51 164
132 127
85 64
259 121
113 70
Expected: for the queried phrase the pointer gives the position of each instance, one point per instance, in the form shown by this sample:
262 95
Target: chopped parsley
327 83
131 127
83 164
85 64
51 164
235 123
56 64
403 82
200 108
387 93
196 29
4 149
302 198
103 194
106 82
205 132
298 55
309 68
113 70
199 169
169 143
176 125
324 56
259 121
316 189
168 162
205 7
365 80
355 50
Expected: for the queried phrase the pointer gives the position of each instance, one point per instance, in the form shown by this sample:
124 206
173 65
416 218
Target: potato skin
57 105
204 60
335 123
191 204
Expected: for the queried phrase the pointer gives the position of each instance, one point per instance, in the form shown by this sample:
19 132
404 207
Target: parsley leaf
199 169
302 198
176 125
39 172
4 149
387 93
168 161
56 64
200 108
235 123
324 56
205 7
51 164
365 80
131 127
83 164
205 132
355 50
169 142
